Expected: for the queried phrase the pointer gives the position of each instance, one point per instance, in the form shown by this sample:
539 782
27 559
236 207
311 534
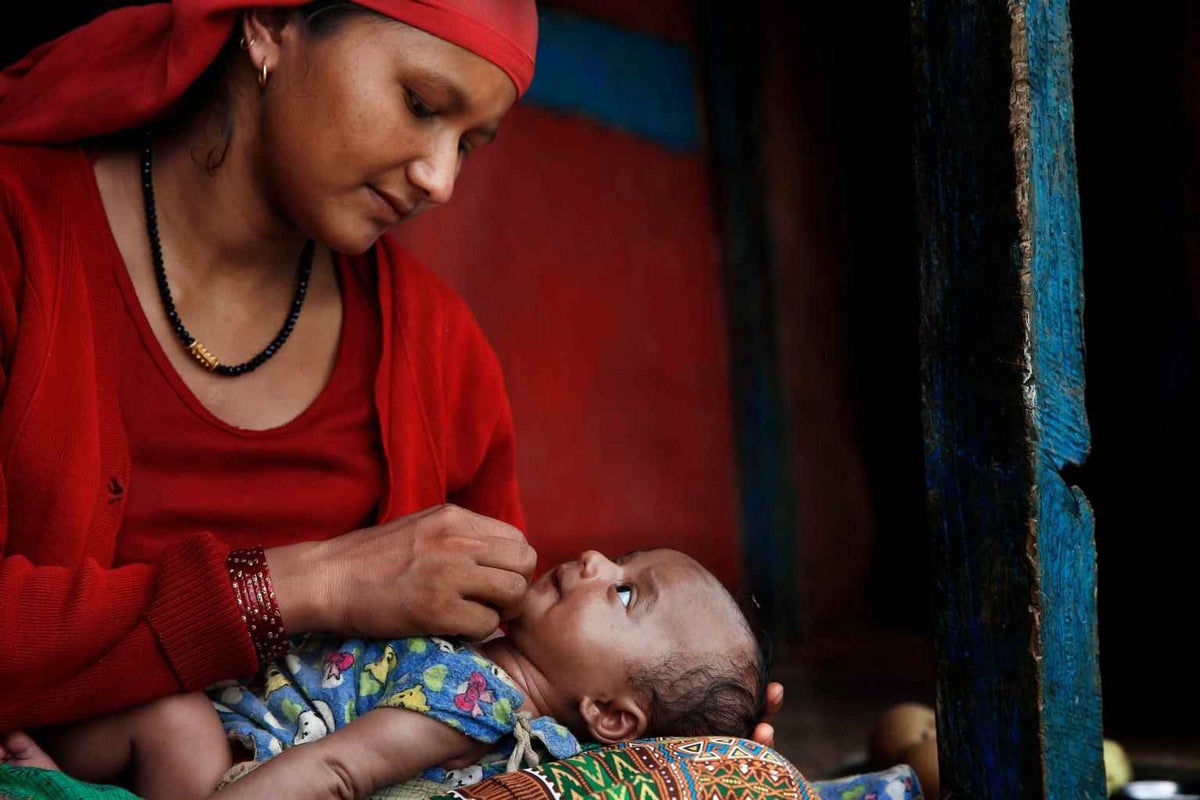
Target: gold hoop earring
262 75
246 45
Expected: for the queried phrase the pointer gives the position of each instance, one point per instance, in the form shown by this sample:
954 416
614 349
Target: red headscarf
126 67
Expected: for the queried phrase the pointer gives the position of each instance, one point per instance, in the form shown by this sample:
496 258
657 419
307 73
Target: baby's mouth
555 576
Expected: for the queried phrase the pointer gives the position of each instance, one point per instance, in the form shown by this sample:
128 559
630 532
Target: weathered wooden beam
1002 370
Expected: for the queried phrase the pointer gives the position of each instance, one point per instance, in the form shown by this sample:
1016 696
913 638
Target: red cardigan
80 638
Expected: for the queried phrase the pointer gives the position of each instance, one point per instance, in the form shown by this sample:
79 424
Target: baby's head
649 644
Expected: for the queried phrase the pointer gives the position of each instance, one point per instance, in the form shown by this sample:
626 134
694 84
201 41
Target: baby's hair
721 695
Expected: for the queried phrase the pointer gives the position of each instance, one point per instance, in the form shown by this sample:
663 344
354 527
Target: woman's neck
540 697
221 217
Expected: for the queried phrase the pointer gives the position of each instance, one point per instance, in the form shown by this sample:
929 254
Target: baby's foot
19 750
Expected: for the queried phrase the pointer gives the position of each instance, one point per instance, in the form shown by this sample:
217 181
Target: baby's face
588 623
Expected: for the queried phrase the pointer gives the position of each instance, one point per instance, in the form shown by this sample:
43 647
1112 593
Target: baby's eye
625 594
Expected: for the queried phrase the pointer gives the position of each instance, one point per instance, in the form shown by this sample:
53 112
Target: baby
647 645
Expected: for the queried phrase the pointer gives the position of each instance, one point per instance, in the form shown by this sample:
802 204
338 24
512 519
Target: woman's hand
444 570
764 732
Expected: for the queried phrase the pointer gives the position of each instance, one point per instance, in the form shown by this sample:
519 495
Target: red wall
590 258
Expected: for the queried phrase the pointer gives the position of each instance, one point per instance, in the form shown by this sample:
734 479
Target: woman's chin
356 241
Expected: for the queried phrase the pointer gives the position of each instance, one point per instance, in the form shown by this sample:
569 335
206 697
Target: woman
230 408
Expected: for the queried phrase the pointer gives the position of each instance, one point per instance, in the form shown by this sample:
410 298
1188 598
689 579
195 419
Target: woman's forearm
86 639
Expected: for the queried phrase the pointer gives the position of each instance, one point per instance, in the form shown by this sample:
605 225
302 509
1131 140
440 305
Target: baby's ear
611 721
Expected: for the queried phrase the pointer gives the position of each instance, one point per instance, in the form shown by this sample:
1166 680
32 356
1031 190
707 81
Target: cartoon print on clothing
335 665
275 680
467 776
312 726
897 783
471 693
413 698
325 682
380 669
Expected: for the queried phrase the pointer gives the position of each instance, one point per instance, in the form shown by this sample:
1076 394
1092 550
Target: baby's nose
594 563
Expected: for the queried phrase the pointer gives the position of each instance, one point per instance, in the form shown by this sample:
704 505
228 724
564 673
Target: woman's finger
494 528
507 554
469 620
501 589
462 520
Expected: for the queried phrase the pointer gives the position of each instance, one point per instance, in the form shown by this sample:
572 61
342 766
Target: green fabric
31 783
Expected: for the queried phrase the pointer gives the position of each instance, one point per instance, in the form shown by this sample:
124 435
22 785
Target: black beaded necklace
197 350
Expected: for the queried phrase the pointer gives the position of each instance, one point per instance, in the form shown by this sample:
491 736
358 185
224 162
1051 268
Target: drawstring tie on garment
523 750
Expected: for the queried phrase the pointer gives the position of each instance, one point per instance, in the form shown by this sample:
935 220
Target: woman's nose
595 564
435 173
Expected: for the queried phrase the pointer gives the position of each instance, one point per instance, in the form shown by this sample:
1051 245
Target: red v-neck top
85 628
314 477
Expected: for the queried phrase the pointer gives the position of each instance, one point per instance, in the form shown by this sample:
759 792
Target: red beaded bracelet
255 596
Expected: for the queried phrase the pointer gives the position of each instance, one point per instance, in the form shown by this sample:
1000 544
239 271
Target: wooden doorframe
1002 371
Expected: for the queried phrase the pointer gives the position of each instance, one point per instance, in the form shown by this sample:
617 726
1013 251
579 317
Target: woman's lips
397 208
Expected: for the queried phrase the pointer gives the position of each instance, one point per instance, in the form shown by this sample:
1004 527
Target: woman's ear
262 34
612 721
264 24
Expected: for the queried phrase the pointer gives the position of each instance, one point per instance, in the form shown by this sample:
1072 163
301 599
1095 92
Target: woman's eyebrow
443 84
458 98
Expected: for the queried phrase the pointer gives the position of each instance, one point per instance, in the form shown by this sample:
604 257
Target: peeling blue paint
1019 702
628 80
1070 686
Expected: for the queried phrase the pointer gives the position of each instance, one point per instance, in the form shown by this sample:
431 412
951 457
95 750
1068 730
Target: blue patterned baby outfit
326 682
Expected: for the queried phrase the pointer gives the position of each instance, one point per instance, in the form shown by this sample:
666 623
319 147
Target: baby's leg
176 746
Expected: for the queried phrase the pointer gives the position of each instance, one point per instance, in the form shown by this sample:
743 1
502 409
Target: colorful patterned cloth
710 768
326 682
651 769
594 774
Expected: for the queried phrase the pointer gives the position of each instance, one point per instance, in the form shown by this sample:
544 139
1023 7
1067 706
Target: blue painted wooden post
1002 362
